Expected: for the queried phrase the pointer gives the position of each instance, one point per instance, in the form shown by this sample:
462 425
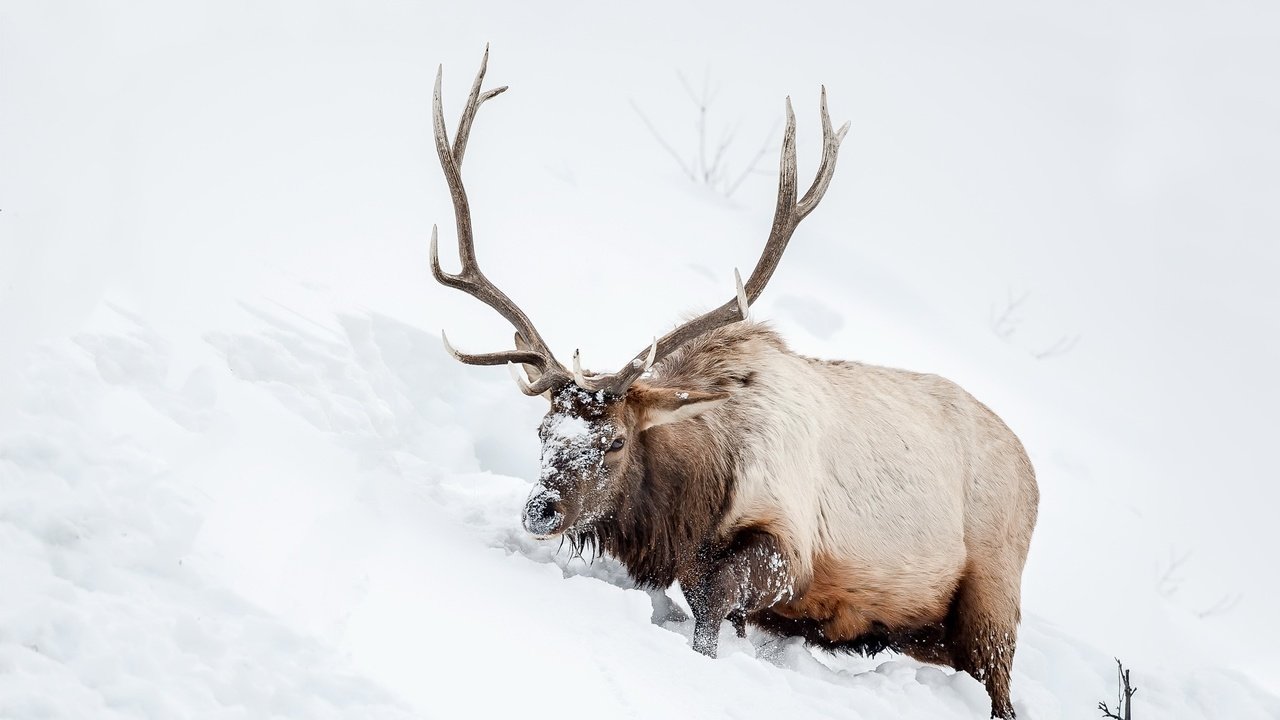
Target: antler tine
787 215
524 357
744 304
525 387
827 167
474 101
648 362
578 376
538 387
470 279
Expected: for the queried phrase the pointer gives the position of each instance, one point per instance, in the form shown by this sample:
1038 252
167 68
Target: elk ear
660 406
529 370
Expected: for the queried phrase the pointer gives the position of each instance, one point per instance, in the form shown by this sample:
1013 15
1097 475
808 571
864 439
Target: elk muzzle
545 513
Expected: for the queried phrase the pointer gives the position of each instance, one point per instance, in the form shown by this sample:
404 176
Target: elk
862 508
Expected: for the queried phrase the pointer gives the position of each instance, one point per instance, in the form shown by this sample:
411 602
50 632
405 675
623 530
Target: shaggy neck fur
670 508
680 486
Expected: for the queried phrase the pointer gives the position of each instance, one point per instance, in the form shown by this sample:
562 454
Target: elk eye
616 444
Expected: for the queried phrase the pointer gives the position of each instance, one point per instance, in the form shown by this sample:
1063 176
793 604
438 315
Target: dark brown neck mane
673 499
671 506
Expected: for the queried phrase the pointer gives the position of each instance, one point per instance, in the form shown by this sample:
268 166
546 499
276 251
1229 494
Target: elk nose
543 513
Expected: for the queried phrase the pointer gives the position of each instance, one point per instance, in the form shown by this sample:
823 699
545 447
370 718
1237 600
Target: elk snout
544 513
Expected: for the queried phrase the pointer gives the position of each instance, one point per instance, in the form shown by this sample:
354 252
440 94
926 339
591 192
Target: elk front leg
753 574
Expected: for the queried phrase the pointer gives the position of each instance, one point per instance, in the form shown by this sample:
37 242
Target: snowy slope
329 471
239 477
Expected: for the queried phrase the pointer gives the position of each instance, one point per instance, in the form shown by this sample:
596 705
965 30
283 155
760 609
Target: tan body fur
903 506
885 487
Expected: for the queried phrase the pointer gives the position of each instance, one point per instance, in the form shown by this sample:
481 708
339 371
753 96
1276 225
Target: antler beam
470 280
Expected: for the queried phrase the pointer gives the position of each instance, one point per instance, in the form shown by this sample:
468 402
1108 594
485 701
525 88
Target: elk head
592 431
592 449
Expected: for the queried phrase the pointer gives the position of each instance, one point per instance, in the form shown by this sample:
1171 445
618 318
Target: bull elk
862 508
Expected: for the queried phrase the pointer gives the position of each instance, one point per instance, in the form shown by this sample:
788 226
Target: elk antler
470 280
786 217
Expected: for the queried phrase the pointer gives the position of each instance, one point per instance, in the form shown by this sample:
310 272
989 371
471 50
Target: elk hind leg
751 575
983 631
927 644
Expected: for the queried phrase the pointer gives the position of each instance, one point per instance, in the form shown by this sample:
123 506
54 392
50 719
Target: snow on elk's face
584 453
589 445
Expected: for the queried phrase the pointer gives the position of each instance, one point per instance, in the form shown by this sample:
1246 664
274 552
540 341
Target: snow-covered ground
240 478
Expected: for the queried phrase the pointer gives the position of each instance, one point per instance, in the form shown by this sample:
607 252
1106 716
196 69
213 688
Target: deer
858 507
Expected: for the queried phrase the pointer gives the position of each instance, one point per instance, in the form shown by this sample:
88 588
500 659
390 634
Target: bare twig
1062 346
700 101
1005 322
1169 581
1124 697
717 160
663 142
708 162
1225 604
755 160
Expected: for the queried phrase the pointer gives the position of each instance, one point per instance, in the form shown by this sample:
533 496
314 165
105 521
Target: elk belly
850 600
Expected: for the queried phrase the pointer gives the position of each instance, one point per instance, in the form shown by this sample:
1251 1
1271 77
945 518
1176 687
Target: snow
572 442
239 476
568 427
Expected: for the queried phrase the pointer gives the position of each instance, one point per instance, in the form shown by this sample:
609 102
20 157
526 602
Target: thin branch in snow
700 101
1003 321
663 142
1225 604
1169 581
751 168
708 161
1124 697
717 160
1063 346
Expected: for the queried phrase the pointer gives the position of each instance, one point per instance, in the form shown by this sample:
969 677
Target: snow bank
333 473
